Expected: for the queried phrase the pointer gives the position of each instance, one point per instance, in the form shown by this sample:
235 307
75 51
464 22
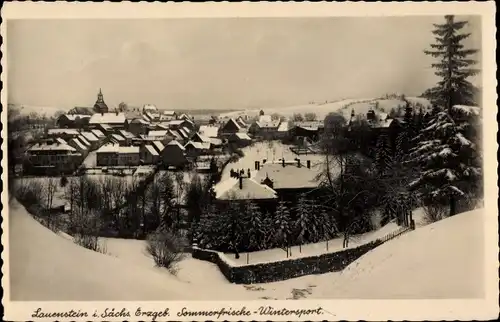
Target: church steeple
100 106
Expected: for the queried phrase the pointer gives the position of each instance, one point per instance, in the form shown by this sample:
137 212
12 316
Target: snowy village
330 197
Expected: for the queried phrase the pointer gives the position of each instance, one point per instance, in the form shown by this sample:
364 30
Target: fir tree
383 158
254 229
447 153
454 66
302 224
282 226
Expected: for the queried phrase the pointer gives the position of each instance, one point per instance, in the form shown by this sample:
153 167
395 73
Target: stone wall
286 269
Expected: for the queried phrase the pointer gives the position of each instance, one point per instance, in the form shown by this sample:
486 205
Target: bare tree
166 248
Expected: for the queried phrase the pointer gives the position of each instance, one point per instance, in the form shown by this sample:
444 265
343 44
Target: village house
282 131
194 149
148 154
229 128
310 129
137 126
129 137
264 128
51 158
100 106
160 135
289 179
246 189
85 142
185 116
240 139
241 122
150 108
169 115
179 124
173 155
81 110
65 134
72 121
214 120
114 120
115 155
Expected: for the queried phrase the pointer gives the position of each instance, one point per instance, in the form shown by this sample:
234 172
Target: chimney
116 112
309 164
256 165
298 163
264 161
102 113
283 162
241 181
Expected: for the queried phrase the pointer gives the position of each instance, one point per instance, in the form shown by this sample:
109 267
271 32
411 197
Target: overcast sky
218 63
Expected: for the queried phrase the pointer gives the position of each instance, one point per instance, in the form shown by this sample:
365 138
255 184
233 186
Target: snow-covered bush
434 212
85 226
166 248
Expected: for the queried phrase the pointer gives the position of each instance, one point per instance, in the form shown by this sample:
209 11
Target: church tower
100 106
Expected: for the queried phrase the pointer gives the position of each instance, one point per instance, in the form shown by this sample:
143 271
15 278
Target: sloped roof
290 176
52 147
215 141
231 120
209 131
151 150
107 118
201 137
127 134
170 113
175 134
139 120
82 139
158 133
118 137
265 119
150 107
250 190
74 117
159 146
128 149
198 145
108 148
63 131
78 144
283 127
61 141
98 133
175 143
89 136
242 136
268 124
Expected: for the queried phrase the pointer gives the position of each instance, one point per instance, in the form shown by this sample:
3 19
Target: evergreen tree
254 229
282 226
454 66
447 153
302 224
383 156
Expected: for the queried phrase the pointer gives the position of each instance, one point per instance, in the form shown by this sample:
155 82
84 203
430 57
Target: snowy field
272 151
322 109
441 260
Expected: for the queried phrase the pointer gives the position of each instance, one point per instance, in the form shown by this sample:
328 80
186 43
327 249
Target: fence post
247 257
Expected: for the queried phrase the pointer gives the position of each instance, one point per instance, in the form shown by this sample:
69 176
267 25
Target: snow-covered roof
177 122
150 107
151 150
198 145
61 141
115 148
107 118
74 117
201 137
250 190
269 124
283 127
52 147
170 113
265 119
82 139
98 133
79 144
127 134
139 120
159 146
175 134
63 131
209 131
175 143
290 176
242 136
158 133
215 141
89 136
183 133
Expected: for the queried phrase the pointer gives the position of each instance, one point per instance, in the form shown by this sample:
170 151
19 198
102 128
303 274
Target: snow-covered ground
307 250
360 106
441 260
271 151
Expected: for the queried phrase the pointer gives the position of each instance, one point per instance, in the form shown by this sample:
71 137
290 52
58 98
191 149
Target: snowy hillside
440 260
360 106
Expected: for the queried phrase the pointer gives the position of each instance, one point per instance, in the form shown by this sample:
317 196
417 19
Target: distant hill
360 106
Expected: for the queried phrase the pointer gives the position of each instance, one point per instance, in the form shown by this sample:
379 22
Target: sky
218 63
